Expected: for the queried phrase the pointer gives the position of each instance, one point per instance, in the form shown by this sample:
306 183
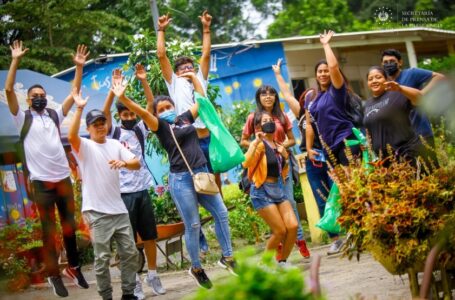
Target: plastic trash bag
224 152
332 211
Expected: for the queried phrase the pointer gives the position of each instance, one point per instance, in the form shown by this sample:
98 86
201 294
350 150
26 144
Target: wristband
206 31
161 29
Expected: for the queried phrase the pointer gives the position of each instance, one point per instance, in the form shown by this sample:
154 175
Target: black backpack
28 120
140 136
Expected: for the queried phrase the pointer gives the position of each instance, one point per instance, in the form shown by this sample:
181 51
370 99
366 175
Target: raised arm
197 88
79 60
288 97
73 132
141 75
17 51
165 64
116 78
149 119
335 74
435 77
206 20
411 93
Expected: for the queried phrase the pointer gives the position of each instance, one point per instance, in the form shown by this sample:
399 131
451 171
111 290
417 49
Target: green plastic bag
224 152
332 211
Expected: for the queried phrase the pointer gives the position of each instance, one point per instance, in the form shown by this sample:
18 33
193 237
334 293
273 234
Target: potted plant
395 212
168 220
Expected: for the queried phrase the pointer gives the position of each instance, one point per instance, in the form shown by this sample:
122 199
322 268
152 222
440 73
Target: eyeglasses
186 68
267 94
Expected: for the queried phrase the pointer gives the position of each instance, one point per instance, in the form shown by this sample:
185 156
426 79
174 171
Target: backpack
140 136
28 120
354 109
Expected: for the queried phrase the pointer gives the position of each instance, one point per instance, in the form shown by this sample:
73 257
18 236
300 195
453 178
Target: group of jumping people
115 179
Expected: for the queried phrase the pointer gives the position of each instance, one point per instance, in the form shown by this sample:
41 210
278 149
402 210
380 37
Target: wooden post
311 206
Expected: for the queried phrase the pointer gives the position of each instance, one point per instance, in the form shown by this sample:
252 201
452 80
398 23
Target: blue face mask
168 116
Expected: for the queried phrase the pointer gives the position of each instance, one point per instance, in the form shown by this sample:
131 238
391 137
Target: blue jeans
186 199
320 183
289 191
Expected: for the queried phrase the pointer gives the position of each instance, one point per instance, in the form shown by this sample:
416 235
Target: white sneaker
138 292
155 283
336 246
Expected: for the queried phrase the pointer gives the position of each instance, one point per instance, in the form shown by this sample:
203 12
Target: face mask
391 68
129 124
168 116
39 103
268 127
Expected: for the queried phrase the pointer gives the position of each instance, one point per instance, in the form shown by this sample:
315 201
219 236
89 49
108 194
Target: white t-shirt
181 92
44 153
134 180
100 183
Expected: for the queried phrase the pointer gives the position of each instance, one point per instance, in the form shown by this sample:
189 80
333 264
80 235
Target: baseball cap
93 115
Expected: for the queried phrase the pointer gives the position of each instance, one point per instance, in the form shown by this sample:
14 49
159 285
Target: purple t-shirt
415 78
329 112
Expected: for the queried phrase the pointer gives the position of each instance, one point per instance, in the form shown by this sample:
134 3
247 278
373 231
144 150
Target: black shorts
142 218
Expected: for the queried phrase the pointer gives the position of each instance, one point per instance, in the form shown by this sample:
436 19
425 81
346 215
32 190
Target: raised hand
81 55
392 86
117 164
164 21
118 88
206 19
80 102
188 75
17 50
326 37
277 68
117 77
140 72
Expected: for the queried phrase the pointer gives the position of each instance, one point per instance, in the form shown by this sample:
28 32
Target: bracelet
161 29
80 107
206 31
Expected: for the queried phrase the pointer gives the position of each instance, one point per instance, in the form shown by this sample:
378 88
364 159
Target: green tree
306 17
52 29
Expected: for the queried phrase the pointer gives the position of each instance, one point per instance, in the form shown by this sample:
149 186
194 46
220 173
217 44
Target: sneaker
278 255
201 278
58 286
155 283
138 292
129 297
76 276
229 265
303 248
336 246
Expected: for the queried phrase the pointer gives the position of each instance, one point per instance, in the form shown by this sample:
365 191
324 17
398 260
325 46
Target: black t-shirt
186 136
273 169
387 120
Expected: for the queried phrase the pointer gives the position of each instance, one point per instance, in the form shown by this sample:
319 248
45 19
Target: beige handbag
204 183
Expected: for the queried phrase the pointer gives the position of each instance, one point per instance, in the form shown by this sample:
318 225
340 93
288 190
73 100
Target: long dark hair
276 110
324 62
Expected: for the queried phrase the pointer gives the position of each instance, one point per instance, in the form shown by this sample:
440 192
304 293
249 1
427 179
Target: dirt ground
340 279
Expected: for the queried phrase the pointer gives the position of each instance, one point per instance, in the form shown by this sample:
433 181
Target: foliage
443 64
396 210
164 208
235 119
258 279
244 222
52 30
307 17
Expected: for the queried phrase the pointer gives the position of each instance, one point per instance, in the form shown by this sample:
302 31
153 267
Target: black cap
93 115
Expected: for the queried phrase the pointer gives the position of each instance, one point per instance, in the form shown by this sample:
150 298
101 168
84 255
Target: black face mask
391 68
268 127
129 124
39 103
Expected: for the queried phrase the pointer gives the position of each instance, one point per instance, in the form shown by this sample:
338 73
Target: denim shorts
260 198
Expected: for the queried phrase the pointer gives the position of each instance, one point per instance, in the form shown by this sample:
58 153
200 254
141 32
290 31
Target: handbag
204 182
